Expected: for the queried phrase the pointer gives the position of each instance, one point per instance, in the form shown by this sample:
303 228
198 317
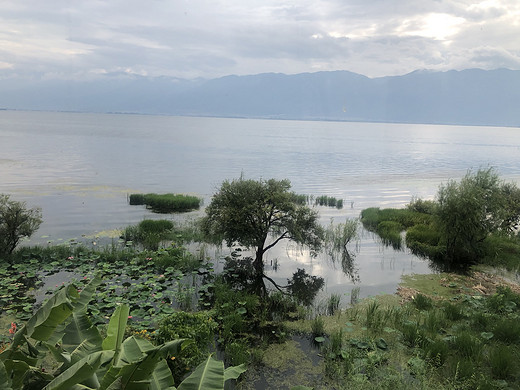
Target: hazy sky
202 38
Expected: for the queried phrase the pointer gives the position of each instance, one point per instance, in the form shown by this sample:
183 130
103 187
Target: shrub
472 209
16 222
198 327
422 206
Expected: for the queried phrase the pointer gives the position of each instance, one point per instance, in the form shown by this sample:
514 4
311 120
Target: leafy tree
260 214
472 209
16 222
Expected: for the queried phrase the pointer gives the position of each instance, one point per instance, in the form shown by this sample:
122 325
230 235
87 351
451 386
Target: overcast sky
203 38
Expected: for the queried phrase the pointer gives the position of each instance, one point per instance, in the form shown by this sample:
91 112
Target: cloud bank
207 39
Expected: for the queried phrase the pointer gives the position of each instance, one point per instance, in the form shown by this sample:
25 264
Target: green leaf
381 343
234 372
208 375
116 330
300 387
80 371
53 313
319 339
487 335
5 381
161 378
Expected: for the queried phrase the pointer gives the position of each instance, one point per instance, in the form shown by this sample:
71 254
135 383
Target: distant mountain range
468 97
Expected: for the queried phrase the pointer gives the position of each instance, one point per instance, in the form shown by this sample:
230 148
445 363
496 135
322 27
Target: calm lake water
79 169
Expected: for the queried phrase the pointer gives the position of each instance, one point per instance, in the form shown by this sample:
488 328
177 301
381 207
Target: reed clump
329 201
166 203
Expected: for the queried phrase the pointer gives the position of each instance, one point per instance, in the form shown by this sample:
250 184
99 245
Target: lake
79 168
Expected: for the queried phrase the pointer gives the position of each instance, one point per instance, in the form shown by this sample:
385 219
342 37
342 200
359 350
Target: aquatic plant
333 304
166 203
329 201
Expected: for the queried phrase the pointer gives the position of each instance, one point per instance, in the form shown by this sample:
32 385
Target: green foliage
318 327
422 302
199 327
16 222
149 233
503 363
424 240
333 304
259 214
61 331
389 223
422 206
329 201
211 374
166 203
470 210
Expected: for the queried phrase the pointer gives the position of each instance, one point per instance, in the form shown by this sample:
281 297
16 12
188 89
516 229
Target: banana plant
61 328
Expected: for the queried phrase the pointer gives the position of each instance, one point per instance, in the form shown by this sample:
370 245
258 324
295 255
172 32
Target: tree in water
258 214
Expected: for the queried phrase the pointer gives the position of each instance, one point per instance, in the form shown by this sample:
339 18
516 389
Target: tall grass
329 201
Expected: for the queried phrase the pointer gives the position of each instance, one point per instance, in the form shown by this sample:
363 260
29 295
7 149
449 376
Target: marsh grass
329 201
435 321
422 302
467 346
507 330
502 362
166 203
317 327
333 304
453 312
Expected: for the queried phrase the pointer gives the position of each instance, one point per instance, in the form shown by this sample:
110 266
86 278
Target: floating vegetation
166 203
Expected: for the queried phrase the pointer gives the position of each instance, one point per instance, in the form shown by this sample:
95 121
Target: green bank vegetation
147 312
472 221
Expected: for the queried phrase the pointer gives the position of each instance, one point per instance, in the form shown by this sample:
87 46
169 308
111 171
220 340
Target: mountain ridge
460 97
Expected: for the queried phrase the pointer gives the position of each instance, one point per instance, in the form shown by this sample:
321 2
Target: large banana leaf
80 371
210 375
116 331
81 337
88 291
5 381
140 367
53 313
161 378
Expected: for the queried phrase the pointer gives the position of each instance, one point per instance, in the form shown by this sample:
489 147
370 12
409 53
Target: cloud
202 38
